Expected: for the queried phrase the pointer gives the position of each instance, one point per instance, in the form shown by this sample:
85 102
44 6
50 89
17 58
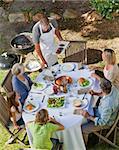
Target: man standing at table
44 39
106 113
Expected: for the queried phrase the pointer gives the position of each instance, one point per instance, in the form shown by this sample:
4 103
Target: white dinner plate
35 106
90 84
40 86
67 67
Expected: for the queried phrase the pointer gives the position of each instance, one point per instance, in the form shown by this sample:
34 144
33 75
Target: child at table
15 110
42 129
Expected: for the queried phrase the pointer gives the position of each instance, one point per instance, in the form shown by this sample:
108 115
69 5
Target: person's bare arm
58 34
14 121
85 114
28 123
96 76
95 93
61 127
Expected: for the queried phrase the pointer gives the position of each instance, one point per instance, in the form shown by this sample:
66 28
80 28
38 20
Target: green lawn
4 134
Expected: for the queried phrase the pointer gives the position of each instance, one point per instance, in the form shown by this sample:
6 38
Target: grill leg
21 59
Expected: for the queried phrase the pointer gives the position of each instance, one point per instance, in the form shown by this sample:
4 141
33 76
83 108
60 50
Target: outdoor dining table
71 136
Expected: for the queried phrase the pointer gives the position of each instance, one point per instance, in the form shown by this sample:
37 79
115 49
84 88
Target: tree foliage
106 7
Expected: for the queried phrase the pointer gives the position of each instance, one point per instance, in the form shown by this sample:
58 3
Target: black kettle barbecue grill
22 44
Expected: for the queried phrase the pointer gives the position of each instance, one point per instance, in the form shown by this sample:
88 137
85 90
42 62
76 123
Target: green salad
55 102
39 85
85 83
33 75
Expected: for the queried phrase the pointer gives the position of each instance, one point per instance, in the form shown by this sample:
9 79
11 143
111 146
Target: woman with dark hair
42 129
15 110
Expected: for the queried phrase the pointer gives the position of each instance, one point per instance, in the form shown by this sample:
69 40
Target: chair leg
60 146
106 140
24 137
15 136
20 142
115 135
85 136
101 134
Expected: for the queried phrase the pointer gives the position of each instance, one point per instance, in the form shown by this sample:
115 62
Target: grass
4 135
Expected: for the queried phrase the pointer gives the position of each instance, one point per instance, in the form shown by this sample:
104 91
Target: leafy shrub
106 7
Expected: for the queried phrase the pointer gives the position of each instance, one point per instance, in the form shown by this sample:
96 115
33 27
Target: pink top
112 75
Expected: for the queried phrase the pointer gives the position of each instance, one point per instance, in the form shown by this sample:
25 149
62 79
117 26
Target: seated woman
42 129
21 82
111 69
15 110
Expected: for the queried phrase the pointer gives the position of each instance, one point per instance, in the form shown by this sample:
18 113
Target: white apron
47 45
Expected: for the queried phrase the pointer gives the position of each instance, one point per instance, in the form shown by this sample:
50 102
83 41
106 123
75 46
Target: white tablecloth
72 135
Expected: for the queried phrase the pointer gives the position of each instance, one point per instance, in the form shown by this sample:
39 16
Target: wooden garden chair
5 120
99 133
7 82
76 52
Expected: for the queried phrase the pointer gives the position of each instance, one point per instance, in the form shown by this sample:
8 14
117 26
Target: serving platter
56 101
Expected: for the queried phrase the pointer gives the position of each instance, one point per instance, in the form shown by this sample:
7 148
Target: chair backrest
4 111
113 126
76 52
93 56
7 82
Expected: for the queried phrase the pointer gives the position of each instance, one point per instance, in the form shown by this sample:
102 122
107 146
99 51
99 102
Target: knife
43 98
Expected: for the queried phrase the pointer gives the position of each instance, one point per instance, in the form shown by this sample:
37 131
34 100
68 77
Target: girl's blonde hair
42 117
110 56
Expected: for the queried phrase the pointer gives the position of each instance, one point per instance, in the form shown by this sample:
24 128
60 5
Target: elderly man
44 39
106 113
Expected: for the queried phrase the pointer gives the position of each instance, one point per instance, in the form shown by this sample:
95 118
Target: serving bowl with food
80 103
56 102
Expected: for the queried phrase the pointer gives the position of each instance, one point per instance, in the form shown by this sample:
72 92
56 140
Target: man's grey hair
105 85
